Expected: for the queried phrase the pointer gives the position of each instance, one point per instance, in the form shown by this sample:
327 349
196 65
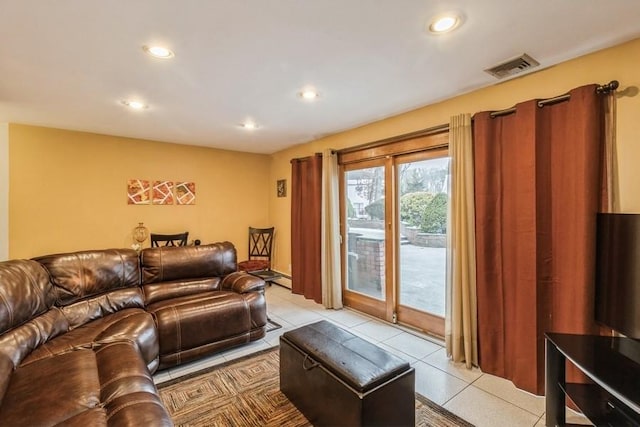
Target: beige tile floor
482 399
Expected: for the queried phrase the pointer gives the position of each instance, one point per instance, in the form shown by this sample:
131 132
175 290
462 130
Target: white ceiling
69 63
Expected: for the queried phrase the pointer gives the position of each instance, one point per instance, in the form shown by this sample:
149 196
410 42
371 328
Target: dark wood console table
613 366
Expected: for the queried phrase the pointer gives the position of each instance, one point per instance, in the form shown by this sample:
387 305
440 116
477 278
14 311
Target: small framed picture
282 188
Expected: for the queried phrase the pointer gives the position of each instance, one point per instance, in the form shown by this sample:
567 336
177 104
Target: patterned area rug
247 393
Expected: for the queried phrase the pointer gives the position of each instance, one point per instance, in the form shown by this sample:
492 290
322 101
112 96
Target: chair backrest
169 239
260 242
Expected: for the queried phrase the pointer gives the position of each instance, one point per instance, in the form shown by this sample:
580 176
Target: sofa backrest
166 264
25 292
92 284
27 318
81 275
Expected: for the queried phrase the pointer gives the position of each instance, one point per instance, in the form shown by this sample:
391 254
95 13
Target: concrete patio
422 275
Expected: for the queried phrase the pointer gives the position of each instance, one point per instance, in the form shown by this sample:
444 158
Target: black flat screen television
617 296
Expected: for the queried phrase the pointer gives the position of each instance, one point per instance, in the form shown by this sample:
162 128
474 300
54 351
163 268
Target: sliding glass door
366 236
394 227
422 190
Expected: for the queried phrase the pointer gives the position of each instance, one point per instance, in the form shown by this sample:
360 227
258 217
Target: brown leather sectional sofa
82 333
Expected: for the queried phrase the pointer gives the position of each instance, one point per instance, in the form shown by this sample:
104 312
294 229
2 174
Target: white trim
285 282
4 191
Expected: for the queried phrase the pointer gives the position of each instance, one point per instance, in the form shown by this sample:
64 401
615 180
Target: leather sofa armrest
242 282
6 370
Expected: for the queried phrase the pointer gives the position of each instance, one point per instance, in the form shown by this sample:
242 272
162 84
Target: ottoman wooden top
357 362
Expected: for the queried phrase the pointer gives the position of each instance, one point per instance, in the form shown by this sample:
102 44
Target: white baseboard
284 282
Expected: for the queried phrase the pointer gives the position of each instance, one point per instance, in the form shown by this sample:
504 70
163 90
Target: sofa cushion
18 343
242 282
52 390
105 316
195 320
108 385
253 265
25 292
166 264
90 309
155 292
80 275
132 324
196 325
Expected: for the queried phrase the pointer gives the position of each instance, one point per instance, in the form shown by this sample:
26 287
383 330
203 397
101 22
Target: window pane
365 231
423 234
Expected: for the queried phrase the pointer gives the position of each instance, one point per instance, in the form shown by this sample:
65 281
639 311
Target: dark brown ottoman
338 379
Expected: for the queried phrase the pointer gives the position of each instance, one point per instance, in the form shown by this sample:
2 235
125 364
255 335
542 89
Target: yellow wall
4 191
620 63
67 191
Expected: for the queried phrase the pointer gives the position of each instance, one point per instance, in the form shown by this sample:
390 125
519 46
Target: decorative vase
140 234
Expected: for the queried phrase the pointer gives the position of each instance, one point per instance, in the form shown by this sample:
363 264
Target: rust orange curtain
538 178
306 227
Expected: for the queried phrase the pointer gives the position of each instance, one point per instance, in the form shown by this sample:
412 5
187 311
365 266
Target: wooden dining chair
260 243
158 240
259 262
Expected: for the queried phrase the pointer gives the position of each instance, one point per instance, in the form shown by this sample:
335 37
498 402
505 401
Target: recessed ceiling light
309 94
444 23
158 52
136 105
249 125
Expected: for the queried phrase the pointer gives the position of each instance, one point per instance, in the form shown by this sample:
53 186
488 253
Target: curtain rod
417 134
305 159
606 88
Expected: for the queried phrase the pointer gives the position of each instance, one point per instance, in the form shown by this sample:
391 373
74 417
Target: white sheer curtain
611 161
330 263
461 311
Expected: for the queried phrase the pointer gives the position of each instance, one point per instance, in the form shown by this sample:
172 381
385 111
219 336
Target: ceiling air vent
513 66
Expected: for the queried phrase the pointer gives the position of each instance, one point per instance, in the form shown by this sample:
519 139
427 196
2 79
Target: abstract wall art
185 193
162 192
138 192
